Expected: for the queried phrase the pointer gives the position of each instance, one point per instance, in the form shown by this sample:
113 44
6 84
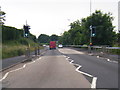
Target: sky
53 16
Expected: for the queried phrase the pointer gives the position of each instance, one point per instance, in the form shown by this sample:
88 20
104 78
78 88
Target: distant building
119 16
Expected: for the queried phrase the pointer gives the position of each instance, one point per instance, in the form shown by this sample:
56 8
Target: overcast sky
53 16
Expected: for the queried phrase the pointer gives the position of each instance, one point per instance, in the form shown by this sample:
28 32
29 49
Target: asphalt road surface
14 60
52 70
64 68
104 69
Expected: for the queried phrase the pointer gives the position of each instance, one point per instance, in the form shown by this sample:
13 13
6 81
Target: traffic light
26 30
93 32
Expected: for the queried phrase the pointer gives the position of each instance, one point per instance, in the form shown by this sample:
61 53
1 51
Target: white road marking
94 80
85 73
97 56
68 57
64 56
93 85
108 59
71 61
115 61
5 76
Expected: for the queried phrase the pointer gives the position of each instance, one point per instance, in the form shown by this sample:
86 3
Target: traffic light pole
26 34
90 39
90 30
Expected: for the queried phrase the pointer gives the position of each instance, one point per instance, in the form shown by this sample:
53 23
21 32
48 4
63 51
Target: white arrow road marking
5 76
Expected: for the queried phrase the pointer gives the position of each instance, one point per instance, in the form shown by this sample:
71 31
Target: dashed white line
71 61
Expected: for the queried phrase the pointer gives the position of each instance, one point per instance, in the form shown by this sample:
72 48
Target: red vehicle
52 45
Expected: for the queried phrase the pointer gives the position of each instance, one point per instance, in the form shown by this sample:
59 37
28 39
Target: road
104 69
63 68
15 60
49 71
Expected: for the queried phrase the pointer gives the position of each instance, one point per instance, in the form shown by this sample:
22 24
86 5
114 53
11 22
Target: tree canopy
43 38
79 32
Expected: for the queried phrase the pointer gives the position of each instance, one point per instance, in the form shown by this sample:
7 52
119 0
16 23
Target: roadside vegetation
14 44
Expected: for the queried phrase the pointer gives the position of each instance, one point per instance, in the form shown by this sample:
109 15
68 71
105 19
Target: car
44 45
60 46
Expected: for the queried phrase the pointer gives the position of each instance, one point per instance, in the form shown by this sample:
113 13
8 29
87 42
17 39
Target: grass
14 48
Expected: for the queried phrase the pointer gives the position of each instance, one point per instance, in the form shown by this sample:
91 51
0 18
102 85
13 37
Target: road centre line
5 76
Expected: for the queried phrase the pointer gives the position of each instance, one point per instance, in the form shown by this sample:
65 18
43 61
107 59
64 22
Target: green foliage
11 33
13 42
2 17
54 37
43 38
79 32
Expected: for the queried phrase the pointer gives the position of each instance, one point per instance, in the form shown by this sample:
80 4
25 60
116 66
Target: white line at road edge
5 76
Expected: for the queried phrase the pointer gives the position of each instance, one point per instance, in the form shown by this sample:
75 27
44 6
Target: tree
2 17
54 37
65 38
104 28
43 38
79 32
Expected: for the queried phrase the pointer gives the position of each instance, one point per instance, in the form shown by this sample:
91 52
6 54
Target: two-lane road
51 70
64 68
